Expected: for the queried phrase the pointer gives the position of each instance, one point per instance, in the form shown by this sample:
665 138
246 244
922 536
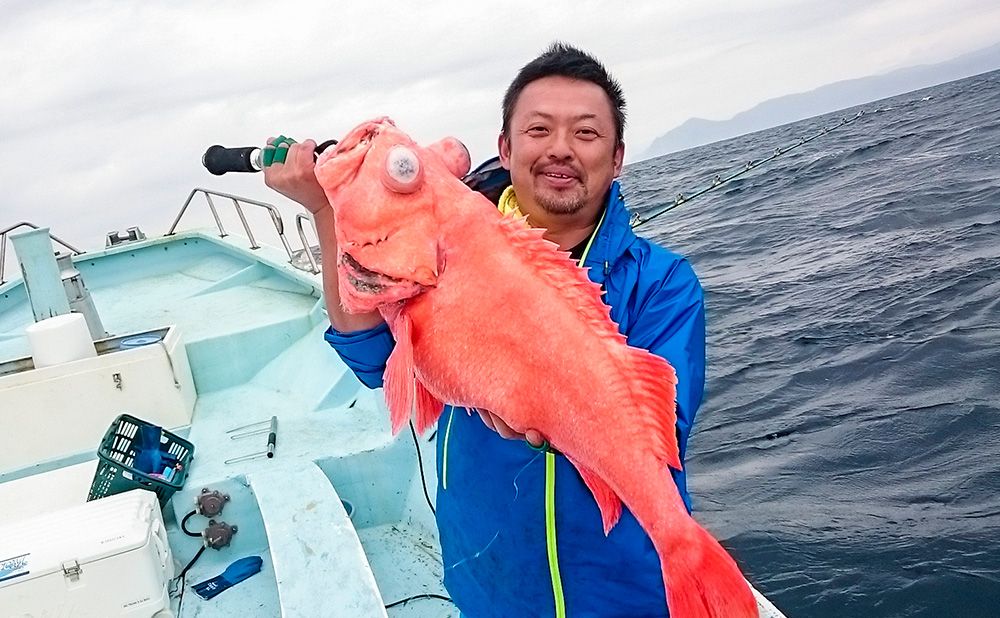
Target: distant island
829 98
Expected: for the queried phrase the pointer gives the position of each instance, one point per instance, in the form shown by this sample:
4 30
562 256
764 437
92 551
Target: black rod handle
220 160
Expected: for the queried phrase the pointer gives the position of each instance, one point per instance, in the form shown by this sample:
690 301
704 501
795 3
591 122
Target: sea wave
846 449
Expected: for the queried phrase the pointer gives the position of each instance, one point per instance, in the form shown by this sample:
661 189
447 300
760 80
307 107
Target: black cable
418 596
184 524
420 463
190 564
180 596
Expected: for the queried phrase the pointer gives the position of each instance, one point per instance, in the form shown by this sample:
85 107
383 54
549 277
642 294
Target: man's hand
296 177
494 422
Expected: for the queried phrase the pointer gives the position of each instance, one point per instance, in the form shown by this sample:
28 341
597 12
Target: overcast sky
106 107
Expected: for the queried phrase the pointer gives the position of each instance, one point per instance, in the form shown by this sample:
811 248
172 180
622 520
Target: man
521 534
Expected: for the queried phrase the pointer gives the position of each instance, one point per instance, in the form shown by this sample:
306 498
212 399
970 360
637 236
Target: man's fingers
487 418
504 429
534 438
498 425
304 154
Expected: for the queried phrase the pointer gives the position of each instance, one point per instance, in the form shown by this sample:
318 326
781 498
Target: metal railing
3 244
311 264
306 248
238 202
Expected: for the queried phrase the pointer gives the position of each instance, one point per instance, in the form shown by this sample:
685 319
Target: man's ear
503 147
619 158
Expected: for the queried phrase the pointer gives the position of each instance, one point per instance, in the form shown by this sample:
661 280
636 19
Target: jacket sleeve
365 352
669 321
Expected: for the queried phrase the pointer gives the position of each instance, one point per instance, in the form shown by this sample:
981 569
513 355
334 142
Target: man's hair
565 60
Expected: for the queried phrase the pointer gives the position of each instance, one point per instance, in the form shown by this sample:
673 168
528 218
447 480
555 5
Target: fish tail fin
703 581
607 500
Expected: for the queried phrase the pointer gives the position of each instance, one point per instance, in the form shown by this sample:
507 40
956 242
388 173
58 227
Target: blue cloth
148 456
490 508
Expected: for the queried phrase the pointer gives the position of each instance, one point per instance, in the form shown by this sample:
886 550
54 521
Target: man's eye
536 130
587 133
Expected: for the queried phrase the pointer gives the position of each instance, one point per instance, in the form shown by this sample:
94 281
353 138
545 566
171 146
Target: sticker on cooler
13 567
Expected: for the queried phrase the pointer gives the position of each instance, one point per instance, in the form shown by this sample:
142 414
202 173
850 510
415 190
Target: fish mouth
362 136
363 279
362 141
339 166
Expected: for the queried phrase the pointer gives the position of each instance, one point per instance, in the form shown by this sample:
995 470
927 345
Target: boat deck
252 327
338 515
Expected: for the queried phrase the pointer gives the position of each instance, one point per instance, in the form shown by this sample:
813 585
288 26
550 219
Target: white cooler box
104 558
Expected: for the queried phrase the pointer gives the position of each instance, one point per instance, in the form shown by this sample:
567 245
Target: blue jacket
491 510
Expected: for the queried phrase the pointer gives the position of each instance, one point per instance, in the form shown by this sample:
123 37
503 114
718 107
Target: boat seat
319 564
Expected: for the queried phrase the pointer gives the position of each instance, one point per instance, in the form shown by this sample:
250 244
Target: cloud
108 106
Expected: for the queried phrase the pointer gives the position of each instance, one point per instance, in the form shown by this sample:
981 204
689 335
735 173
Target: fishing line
719 180
475 555
517 489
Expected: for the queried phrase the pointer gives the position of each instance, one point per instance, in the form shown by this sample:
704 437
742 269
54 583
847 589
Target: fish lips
363 290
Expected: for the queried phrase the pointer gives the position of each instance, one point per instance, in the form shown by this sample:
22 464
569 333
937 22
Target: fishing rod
718 181
220 160
490 178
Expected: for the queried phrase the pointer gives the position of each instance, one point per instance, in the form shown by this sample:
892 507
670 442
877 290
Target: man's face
561 148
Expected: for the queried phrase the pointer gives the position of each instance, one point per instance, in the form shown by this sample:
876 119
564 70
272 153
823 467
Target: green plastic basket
116 456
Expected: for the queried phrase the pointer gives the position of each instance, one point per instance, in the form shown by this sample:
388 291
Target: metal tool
272 438
247 430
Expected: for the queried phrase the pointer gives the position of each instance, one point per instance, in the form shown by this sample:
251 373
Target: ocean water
848 449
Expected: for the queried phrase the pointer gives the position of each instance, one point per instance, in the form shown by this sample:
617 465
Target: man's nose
560 145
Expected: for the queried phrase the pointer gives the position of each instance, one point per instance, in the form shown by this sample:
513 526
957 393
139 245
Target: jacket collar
614 236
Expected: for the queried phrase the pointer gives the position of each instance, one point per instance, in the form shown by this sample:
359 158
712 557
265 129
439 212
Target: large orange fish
486 314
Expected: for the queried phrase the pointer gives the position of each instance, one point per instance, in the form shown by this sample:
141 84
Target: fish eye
403 172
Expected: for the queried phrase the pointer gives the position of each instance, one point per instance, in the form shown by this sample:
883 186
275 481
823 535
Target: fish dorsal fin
405 396
653 393
556 267
648 381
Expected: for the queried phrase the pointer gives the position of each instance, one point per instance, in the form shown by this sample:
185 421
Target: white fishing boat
218 340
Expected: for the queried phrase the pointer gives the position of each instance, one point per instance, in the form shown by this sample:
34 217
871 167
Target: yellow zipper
551 548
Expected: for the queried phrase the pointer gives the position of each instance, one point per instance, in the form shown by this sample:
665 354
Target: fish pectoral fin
607 500
399 380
